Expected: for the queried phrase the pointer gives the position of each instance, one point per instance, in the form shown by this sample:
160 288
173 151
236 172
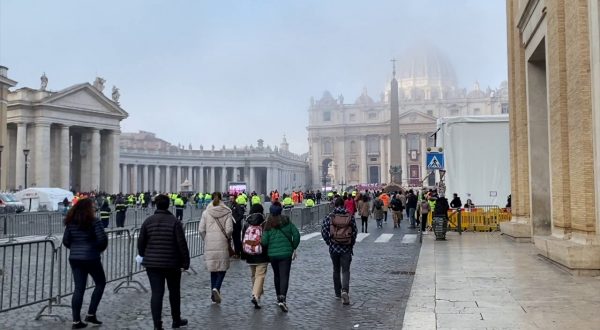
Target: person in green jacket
281 239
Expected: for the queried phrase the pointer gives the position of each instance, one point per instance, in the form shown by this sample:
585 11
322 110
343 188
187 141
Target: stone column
404 158
363 161
21 144
383 158
114 160
65 158
252 181
201 179
145 186
190 176
168 188
41 156
134 182
157 178
124 179
423 166
178 179
95 159
223 179
270 180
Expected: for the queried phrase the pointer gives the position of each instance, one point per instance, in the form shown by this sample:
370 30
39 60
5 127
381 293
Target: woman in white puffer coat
216 227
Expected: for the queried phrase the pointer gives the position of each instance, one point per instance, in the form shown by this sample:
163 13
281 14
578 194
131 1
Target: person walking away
281 238
411 206
339 233
350 205
386 203
65 204
238 211
378 212
179 206
424 213
105 214
455 203
164 250
397 208
85 238
256 256
364 212
318 196
121 211
216 227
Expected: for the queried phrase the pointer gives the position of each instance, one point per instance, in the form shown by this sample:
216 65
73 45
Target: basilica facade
350 142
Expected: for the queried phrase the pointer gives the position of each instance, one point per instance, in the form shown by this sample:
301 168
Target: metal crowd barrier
38 271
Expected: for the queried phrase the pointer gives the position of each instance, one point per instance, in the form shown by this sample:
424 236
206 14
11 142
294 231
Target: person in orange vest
385 198
300 197
295 197
75 200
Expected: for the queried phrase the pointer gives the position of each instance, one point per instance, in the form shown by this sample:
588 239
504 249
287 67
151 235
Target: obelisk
395 148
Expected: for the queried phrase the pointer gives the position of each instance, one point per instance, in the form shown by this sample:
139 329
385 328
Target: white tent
37 199
477 153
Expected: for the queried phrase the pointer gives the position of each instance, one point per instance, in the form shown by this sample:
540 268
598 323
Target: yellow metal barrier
478 219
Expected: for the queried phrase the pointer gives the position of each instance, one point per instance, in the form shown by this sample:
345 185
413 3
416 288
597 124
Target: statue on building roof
190 147
44 82
99 84
341 99
312 101
201 147
115 94
260 143
213 147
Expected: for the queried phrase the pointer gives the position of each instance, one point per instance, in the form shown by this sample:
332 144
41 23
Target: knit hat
257 208
275 208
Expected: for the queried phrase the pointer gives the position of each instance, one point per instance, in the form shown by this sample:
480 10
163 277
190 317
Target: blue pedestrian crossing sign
435 161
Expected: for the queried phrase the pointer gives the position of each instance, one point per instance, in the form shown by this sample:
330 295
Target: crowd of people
230 232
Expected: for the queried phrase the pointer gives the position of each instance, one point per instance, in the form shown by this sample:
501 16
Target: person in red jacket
349 205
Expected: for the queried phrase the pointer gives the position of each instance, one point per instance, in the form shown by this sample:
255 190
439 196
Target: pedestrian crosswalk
368 237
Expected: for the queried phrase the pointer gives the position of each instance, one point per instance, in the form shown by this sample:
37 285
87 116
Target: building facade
72 139
152 164
350 142
554 75
5 84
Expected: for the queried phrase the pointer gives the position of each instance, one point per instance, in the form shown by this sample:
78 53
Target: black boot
180 323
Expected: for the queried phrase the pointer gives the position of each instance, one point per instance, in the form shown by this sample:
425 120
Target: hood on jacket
218 211
255 219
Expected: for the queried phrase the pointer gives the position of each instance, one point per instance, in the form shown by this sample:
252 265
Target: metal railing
38 271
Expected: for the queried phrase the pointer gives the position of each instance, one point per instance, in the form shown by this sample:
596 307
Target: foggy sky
231 72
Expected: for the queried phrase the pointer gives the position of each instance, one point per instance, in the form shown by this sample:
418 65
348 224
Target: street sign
435 161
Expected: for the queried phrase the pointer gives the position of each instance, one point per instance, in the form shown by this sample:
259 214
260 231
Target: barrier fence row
38 271
481 218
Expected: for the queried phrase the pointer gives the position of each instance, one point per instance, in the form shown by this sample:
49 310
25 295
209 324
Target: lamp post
1 149
342 184
26 153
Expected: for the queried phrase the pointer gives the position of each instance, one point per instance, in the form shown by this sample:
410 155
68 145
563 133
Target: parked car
9 204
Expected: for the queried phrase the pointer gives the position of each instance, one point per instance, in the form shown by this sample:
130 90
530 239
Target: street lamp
26 153
1 149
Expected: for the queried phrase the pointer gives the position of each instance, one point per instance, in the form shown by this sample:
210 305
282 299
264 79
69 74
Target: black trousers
341 264
179 214
365 223
281 274
81 269
121 219
157 278
236 236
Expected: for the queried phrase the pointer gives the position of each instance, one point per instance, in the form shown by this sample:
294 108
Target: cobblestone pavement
380 285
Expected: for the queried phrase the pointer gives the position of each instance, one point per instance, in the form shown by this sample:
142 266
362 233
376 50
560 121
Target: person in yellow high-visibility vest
288 202
179 206
255 200
309 202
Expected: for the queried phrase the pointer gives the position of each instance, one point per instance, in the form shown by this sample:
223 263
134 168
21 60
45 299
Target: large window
413 142
372 145
327 116
327 147
504 108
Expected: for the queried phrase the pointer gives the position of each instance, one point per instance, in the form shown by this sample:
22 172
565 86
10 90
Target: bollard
459 217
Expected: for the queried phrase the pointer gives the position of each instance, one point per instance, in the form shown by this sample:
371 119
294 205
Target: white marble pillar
210 180
65 158
190 175
363 161
178 179
114 138
124 182
20 162
389 156
270 180
382 160
168 188
201 179
134 179
223 186
41 156
422 164
95 159
252 179
404 158
157 178
145 186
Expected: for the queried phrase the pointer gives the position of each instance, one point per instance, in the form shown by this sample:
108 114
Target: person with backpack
339 233
281 238
423 213
256 256
397 207
238 211
377 211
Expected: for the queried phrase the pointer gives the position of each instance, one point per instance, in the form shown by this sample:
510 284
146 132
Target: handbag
229 241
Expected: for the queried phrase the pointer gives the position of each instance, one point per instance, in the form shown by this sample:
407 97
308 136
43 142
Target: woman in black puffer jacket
85 238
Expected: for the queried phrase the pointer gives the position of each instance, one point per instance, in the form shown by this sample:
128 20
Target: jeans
411 216
385 216
259 272
81 269
379 223
157 278
281 274
341 263
365 223
216 280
